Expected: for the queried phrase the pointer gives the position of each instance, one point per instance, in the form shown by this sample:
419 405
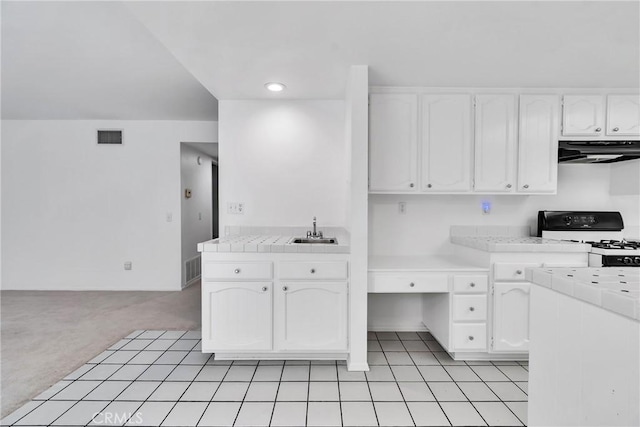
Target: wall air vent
109 137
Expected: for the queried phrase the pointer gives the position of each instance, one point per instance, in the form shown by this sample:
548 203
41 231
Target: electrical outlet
402 207
128 265
235 208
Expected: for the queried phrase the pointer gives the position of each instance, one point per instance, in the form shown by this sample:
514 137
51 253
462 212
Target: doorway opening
199 203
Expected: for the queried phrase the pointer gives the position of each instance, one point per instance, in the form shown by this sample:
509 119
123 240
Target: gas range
602 230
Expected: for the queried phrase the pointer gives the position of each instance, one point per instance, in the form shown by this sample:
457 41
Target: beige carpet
46 335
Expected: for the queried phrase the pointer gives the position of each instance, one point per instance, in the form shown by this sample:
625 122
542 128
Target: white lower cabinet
311 316
511 317
277 304
237 316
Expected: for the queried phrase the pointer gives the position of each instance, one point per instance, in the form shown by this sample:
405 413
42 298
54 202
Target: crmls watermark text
117 418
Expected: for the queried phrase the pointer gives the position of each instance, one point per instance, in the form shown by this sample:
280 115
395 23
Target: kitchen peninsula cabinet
264 298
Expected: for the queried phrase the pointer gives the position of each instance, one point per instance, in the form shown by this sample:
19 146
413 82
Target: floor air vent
109 137
192 269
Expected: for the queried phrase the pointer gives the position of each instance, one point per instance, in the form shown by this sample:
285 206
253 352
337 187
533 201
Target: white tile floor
153 378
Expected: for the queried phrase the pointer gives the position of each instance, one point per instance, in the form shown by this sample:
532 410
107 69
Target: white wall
74 212
625 194
424 229
284 160
196 211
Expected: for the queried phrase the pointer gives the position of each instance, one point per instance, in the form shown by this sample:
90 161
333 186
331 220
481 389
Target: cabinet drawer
469 336
469 307
324 270
470 284
400 283
512 271
237 270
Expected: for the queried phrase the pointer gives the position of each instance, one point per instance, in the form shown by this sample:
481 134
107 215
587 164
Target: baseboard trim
362 367
404 327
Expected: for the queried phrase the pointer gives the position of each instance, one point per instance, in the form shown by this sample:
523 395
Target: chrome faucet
315 234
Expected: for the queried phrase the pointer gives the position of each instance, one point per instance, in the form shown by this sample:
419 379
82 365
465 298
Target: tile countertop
273 244
420 263
518 244
616 289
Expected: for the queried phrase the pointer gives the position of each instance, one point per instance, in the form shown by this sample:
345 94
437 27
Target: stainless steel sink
325 240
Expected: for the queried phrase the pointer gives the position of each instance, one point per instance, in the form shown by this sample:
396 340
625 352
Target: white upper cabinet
623 115
393 142
583 115
538 144
495 143
446 143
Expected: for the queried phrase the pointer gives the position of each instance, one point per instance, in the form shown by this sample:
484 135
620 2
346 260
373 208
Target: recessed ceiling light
274 86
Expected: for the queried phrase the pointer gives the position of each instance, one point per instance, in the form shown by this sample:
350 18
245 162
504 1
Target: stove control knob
636 260
627 260
567 220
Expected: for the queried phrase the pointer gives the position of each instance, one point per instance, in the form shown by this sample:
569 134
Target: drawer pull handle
598 129
470 337
264 289
518 271
473 285
472 309
313 270
412 284
237 271
616 129
284 288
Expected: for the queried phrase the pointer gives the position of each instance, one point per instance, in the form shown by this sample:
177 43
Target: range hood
597 151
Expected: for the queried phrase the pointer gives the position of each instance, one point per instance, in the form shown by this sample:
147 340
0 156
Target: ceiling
92 60
164 60
233 48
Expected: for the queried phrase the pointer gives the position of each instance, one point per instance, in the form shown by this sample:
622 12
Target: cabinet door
236 316
583 115
495 143
511 317
538 144
311 316
446 143
393 142
623 115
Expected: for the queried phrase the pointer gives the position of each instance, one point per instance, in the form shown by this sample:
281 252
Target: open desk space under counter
453 296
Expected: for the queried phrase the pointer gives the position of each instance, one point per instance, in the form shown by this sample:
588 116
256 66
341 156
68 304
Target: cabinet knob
412 284
525 186
284 288
313 270
473 285
472 309
598 129
264 289
411 185
616 129
470 337
429 185
237 271
508 185
518 271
